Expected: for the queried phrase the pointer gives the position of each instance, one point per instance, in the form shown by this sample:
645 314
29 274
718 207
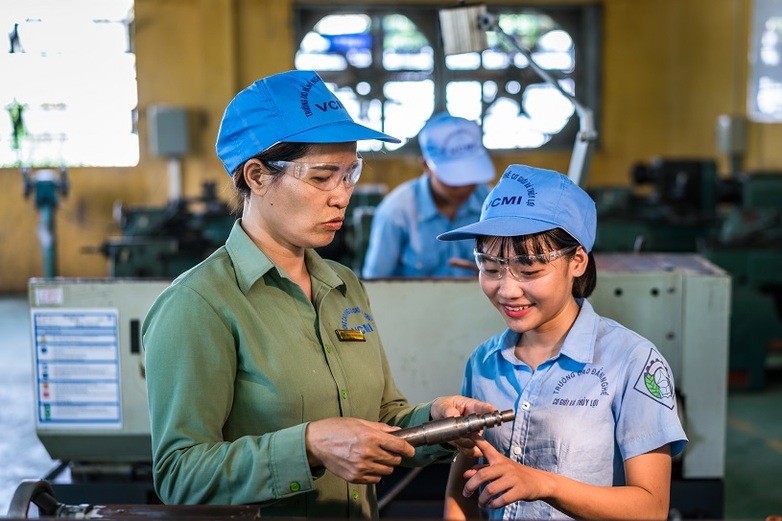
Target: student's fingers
489 452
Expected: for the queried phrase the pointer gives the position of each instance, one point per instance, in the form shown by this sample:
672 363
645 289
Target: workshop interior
668 112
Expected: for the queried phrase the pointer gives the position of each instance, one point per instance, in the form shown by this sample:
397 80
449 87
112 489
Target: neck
538 345
288 257
445 206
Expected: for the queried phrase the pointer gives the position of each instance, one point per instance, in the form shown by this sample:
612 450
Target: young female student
596 418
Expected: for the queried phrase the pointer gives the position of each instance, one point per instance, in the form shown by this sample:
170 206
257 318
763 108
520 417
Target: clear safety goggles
323 176
495 267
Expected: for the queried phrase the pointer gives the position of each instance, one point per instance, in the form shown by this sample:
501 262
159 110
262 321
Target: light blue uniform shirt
606 397
403 239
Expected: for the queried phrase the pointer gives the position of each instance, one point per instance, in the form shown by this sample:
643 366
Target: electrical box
169 133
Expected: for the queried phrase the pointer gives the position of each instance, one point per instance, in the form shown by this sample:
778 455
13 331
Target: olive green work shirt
238 361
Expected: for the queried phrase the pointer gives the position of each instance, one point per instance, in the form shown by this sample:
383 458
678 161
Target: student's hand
357 451
463 263
450 406
506 481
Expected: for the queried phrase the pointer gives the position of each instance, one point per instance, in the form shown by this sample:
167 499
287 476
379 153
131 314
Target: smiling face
535 296
286 212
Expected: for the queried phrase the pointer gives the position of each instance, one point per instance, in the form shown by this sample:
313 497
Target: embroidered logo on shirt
655 381
352 313
595 372
597 382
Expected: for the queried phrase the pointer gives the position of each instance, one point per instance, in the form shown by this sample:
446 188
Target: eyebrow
325 166
329 166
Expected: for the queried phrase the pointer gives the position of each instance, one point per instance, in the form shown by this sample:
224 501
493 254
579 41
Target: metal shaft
449 429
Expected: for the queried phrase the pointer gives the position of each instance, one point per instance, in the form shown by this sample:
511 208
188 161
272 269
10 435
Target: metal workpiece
449 429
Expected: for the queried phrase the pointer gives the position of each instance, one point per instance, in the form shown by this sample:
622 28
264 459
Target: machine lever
449 429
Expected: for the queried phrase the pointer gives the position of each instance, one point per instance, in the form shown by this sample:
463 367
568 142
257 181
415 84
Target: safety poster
77 371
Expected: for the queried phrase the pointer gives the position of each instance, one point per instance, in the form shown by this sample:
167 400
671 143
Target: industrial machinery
38 494
162 242
91 410
48 188
166 241
683 205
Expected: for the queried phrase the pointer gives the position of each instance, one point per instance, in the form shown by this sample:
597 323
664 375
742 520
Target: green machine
164 241
749 247
682 205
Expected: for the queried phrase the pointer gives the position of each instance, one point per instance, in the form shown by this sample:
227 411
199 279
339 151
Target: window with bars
68 89
391 72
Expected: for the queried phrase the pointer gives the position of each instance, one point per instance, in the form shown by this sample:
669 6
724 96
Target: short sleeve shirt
403 237
607 396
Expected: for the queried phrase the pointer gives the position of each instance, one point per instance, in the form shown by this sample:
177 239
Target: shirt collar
426 208
579 343
251 263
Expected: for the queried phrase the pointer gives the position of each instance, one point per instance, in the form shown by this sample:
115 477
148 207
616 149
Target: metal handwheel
33 491
41 494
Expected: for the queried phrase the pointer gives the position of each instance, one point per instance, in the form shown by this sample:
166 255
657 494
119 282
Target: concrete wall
670 67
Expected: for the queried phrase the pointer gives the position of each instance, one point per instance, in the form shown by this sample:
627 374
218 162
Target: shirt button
328 348
517 450
294 486
354 494
525 405
344 394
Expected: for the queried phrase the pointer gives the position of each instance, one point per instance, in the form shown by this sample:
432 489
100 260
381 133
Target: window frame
582 21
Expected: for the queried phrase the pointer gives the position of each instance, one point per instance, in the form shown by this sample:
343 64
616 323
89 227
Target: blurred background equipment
37 496
734 220
48 187
165 241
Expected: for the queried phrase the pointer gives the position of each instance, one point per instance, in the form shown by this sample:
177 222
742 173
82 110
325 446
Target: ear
578 263
254 173
425 165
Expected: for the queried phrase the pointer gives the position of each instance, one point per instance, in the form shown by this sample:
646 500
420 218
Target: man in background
450 192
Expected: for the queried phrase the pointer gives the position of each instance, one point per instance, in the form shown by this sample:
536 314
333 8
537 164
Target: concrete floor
753 474
21 454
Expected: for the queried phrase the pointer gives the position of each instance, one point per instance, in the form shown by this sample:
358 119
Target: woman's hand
450 406
357 451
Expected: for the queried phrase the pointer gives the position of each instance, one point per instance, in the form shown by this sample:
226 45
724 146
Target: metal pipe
449 429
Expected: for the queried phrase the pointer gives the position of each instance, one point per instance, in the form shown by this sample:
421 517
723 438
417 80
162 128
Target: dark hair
279 152
540 243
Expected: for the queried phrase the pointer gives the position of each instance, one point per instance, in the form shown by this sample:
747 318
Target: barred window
392 74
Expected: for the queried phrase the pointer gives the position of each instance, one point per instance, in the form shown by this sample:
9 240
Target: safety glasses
323 176
495 267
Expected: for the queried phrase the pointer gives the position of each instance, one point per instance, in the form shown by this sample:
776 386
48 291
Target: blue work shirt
403 238
607 396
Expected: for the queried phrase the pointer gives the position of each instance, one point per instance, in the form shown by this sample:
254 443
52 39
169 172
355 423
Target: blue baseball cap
289 107
453 149
530 200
